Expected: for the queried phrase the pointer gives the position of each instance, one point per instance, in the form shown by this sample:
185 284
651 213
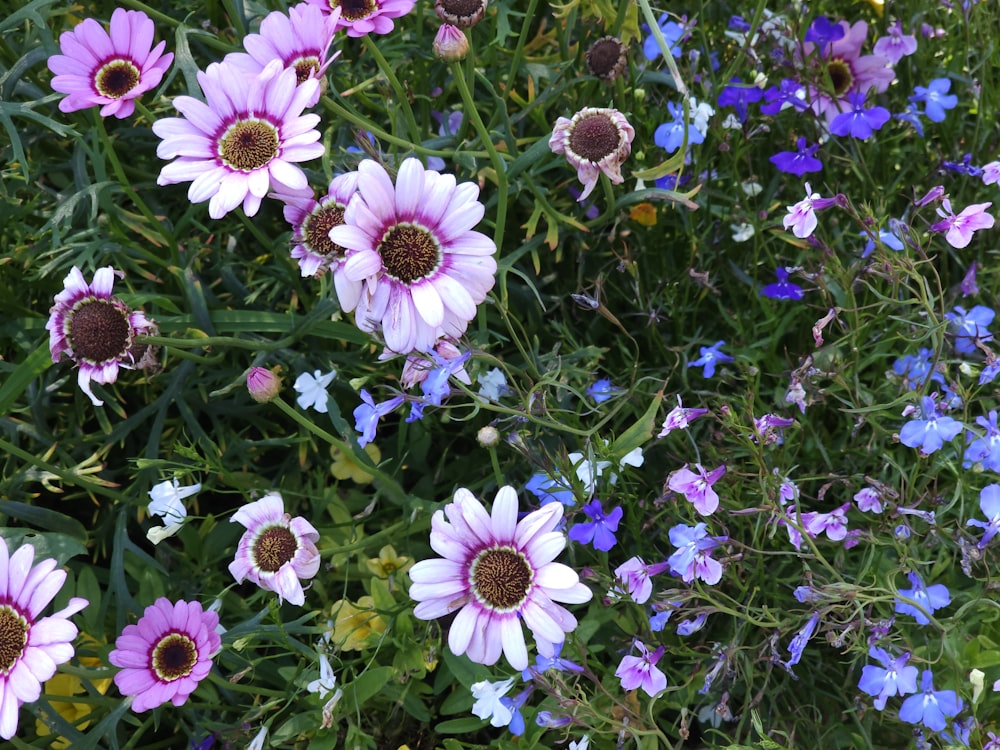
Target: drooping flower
32 646
607 58
361 17
894 677
243 140
94 329
412 244
641 671
960 227
989 504
110 70
498 572
931 707
327 681
301 40
930 598
799 642
461 13
312 390
276 550
166 653
594 140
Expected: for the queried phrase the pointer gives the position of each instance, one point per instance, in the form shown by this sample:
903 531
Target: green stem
66 475
472 111
397 87
390 485
356 118
522 39
668 58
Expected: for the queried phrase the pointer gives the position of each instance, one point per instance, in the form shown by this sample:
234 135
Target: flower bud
450 43
488 436
263 384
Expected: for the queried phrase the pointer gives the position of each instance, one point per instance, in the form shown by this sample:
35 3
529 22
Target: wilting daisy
94 329
413 245
596 140
300 40
362 17
30 647
498 571
166 654
242 140
276 550
311 222
110 71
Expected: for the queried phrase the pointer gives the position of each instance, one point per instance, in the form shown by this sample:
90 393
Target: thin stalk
397 87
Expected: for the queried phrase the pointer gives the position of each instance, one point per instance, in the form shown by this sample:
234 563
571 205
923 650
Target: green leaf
44 518
371 683
30 368
641 431
465 725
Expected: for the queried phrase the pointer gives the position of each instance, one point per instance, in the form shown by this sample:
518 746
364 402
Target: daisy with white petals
498 572
413 245
243 140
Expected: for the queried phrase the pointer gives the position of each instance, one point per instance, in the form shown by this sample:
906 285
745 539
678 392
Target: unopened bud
488 436
450 43
263 384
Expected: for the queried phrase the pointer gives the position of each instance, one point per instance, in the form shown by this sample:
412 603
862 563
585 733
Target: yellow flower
644 213
345 467
878 6
355 627
68 684
388 562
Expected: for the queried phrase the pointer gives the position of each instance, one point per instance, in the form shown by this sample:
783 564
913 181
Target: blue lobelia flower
859 122
935 98
931 707
930 598
930 431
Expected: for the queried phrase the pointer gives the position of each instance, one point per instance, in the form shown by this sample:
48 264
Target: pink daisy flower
94 329
497 571
166 654
362 17
311 222
300 40
30 647
242 140
844 70
276 550
595 140
96 68
425 269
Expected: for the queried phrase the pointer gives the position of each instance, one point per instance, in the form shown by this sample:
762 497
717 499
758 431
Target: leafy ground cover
385 374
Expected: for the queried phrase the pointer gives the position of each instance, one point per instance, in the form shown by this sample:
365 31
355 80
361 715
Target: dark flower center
116 78
13 638
460 13
274 547
409 252
355 10
174 656
248 144
606 58
305 68
841 76
99 331
316 230
501 577
594 137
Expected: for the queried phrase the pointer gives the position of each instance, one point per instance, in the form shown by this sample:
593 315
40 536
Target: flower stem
390 485
372 48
